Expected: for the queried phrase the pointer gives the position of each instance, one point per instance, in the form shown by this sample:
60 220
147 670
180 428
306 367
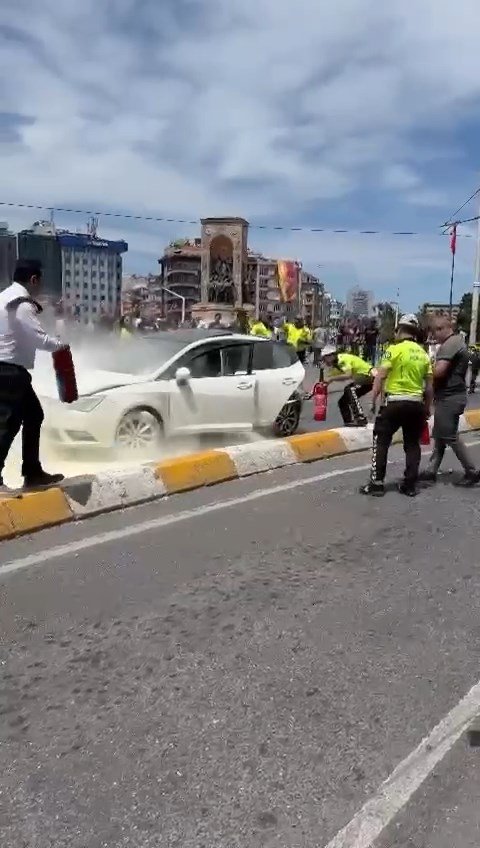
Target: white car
178 384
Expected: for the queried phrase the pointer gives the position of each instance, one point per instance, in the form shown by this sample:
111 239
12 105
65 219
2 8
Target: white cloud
260 107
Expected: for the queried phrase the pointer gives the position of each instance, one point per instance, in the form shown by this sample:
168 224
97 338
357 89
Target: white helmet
409 320
329 350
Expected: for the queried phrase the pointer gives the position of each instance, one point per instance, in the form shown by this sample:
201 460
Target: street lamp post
180 297
476 291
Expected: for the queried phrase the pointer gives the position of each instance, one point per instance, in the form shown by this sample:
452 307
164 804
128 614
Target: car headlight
87 404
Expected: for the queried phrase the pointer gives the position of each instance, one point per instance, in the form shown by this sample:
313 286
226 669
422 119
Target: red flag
453 239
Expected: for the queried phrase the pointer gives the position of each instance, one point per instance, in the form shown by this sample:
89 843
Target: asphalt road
242 667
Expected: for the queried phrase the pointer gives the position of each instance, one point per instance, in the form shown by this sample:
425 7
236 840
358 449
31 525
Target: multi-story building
142 295
262 279
80 270
40 242
360 303
8 254
91 274
430 310
335 310
181 278
312 300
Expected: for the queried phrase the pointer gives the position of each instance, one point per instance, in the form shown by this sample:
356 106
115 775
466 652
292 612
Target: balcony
182 268
183 285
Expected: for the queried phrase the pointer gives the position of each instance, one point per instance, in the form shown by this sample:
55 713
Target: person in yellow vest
125 333
405 377
299 336
359 374
259 328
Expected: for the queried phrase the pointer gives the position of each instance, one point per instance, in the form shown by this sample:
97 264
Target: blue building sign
80 241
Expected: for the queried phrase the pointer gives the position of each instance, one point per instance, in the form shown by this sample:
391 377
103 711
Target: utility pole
476 291
257 291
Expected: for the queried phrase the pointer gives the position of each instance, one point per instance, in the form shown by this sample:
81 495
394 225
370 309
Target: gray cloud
262 108
11 124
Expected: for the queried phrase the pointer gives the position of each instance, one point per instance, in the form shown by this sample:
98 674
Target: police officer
259 328
348 367
299 336
405 376
21 335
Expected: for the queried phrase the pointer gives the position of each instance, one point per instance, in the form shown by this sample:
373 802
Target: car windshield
137 355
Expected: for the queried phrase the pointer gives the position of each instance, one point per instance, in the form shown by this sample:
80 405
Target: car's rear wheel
288 419
139 430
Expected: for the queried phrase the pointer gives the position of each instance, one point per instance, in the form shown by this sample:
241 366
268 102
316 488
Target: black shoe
375 490
427 476
469 480
407 489
359 422
42 480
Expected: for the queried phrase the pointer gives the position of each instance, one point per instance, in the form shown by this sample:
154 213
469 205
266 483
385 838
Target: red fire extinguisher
425 437
65 374
320 402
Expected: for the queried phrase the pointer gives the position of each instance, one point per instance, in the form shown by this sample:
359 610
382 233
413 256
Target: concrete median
111 490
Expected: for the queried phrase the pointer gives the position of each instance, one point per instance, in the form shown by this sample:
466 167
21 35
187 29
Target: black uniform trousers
349 403
408 415
19 407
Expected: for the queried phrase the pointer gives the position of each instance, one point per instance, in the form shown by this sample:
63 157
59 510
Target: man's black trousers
349 403
19 407
408 415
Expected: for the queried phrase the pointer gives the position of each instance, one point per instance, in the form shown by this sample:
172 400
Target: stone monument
223 270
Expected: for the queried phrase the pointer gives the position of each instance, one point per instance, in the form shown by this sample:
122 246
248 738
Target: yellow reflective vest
298 337
258 328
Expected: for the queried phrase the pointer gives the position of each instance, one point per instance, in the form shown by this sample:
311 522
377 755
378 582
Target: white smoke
91 353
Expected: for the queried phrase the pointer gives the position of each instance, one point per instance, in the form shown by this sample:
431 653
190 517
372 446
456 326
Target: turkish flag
453 239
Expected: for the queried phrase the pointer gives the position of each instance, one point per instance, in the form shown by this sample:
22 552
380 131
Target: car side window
206 364
262 356
236 358
283 355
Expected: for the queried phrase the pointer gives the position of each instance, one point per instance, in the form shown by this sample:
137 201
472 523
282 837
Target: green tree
386 321
465 314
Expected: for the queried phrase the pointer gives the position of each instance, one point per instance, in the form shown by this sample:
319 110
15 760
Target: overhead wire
271 227
452 220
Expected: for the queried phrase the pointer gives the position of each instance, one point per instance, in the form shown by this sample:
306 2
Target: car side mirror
182 376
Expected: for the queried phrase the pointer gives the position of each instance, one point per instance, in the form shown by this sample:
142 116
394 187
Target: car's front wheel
288 419
139 430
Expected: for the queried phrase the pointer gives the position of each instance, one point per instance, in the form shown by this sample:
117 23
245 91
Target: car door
278 374
219 396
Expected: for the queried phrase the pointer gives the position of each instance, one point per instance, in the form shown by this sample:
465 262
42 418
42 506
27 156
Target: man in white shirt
21 335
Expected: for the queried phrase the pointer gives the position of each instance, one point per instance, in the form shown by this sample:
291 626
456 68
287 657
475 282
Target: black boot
375 490
42 480
408 489
471 479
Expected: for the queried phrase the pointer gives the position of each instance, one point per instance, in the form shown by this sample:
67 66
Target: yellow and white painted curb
111 490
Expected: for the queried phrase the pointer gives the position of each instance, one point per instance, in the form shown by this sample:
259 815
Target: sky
349 115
